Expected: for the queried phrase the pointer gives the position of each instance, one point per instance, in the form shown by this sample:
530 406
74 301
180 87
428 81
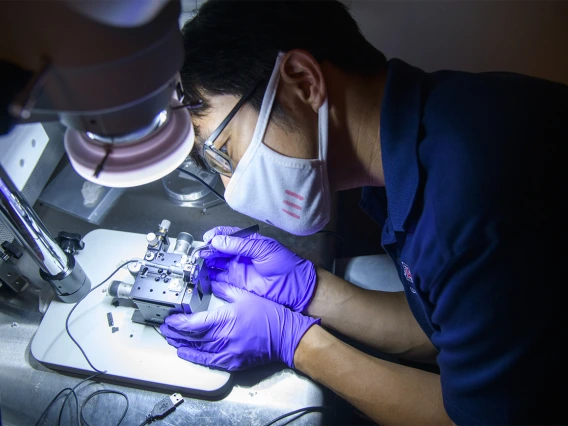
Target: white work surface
136 353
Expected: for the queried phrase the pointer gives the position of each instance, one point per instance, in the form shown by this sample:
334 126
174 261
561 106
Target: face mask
289 193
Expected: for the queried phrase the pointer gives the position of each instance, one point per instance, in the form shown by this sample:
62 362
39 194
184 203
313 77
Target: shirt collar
401 113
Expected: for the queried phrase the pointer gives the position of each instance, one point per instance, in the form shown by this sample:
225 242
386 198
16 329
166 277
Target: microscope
109 72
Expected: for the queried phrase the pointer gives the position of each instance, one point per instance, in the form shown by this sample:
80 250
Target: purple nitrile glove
262 266
250 331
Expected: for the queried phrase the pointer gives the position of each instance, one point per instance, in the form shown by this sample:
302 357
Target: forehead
204 125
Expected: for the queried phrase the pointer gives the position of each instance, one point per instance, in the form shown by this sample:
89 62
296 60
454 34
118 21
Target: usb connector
163 408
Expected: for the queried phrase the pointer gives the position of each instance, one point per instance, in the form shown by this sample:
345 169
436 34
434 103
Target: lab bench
255 397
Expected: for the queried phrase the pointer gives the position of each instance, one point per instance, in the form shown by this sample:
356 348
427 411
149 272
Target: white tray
135 353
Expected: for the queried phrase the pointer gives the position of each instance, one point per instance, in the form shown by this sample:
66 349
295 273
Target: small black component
114 329
11 249
115 303
157 279
70 242
110 319
166 280
160 271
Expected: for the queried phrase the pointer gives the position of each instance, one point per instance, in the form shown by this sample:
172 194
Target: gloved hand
247 332
260 265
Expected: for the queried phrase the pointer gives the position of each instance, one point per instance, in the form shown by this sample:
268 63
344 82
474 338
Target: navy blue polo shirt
472 215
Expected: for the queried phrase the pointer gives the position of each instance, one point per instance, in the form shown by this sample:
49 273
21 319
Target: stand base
130 352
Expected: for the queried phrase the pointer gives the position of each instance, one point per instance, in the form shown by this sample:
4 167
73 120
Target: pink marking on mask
293 194
294 215
295 206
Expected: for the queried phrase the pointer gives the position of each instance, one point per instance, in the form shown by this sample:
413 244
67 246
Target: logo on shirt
407 273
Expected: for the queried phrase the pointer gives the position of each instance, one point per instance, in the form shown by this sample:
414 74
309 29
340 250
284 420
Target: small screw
157 279
166 280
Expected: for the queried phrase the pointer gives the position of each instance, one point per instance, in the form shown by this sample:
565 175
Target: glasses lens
218 161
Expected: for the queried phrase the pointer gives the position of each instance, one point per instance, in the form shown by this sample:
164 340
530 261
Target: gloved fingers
229 292
219 275
197 356
221 263
225 230
199 322
255 248
183 336
212 253
177 343
219 230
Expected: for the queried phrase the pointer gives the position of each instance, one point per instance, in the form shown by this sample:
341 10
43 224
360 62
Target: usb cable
163 408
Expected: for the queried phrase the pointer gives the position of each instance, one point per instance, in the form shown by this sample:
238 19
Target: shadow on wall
527 37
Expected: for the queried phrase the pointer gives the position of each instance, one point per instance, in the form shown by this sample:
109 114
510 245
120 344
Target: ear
303 76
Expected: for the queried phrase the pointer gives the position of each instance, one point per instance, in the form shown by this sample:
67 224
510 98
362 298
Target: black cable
304 410
50 405
332 233
158 331
75 395
99 392
179 169
77 304
160 410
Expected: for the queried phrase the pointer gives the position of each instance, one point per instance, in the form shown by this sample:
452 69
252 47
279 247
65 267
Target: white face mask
290 193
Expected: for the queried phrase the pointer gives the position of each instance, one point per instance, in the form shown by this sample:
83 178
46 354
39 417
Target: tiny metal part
176 285
149 255
114 329
176 398
110 319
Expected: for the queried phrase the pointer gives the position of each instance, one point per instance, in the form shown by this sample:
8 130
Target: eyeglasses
219 161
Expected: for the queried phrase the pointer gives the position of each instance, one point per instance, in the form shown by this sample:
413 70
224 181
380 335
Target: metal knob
183 243
165 225
152 239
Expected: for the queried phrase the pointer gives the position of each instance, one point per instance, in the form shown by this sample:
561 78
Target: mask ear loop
260 128
267 104
323 126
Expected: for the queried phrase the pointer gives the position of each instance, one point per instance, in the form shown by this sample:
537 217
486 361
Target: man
459 169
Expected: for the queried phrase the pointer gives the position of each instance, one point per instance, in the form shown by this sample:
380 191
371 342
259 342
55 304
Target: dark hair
231 45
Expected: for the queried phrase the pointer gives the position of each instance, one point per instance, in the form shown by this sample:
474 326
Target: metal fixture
166 282
58 268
